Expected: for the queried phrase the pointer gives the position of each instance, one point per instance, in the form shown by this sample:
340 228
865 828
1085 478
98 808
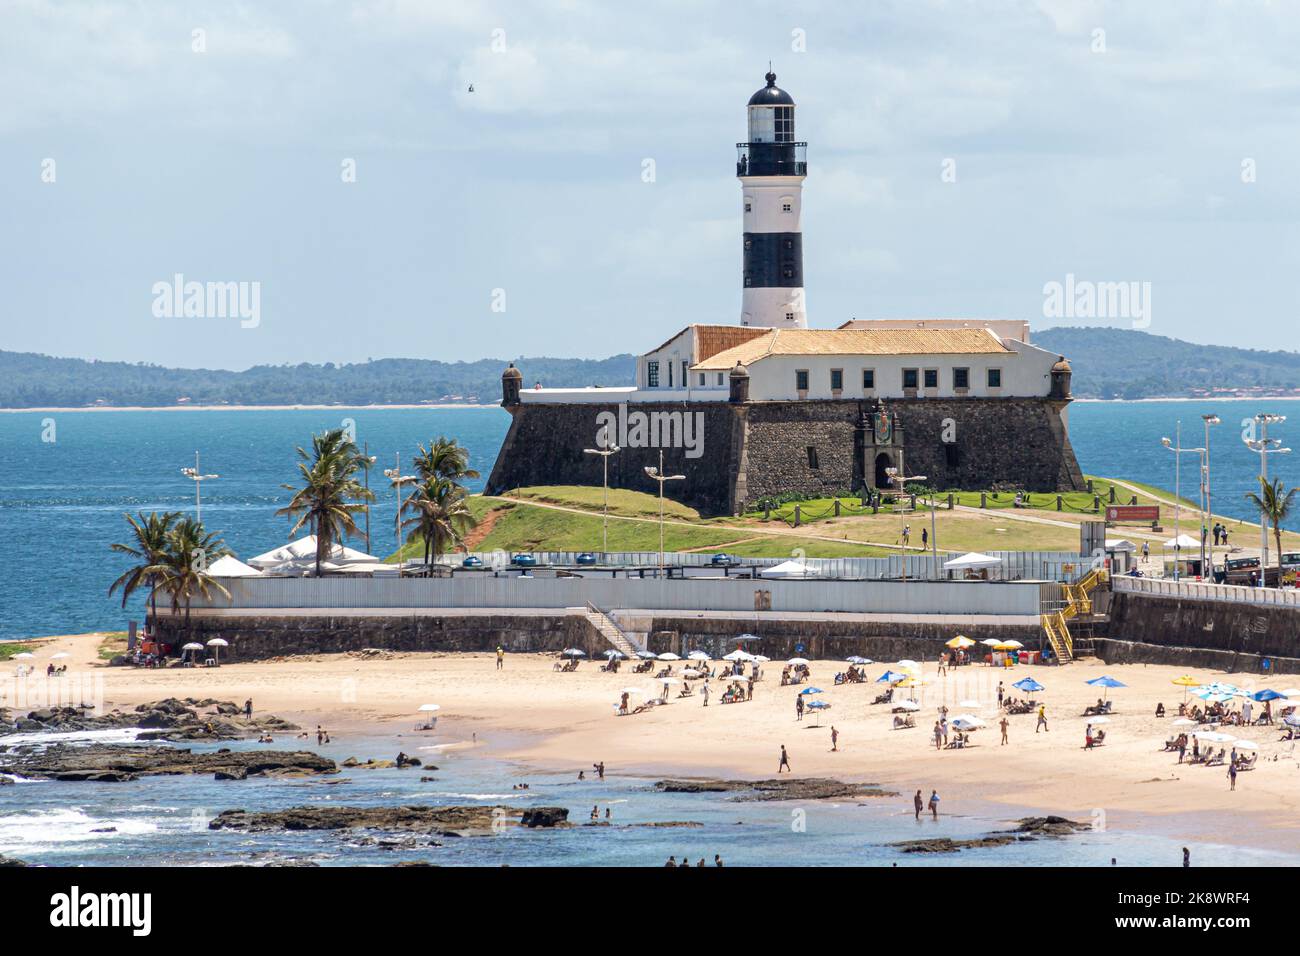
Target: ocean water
163 821
61 500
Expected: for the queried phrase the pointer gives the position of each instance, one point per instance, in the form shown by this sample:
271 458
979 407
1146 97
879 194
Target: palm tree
1275 505
190 549
444 458
150 548
330 497
440 515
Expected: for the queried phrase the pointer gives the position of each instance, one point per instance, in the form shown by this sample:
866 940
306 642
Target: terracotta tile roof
855 342
712 339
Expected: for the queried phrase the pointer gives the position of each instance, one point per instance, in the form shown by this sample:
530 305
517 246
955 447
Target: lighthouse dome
771 95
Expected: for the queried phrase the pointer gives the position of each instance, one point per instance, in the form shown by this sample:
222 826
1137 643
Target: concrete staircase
609 630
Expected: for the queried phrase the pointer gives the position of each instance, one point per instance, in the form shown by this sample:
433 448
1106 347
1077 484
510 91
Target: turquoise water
162 821
61 501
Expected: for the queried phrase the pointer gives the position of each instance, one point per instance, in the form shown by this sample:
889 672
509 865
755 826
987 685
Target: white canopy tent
229 566
1183 541
302 553
972 561
789 570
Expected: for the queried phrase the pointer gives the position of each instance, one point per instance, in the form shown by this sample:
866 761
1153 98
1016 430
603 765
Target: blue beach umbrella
1106 683
1268 694
819 705
1028 685
890 677
811 690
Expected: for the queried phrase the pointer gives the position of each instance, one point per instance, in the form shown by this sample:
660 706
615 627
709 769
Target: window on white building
652 374
801 380
837 379
910 377
995 378
961 378
931 378
868 378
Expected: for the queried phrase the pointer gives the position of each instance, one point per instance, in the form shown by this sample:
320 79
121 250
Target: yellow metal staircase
1079 603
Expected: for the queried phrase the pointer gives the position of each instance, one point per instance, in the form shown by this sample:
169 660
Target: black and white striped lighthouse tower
771 168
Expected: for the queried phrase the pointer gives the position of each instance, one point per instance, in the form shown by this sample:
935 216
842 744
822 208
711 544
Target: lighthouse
771 168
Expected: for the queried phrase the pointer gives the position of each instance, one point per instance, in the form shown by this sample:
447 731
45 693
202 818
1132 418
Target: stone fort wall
751 450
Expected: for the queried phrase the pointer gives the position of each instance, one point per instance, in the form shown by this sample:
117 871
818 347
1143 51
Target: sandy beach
529 713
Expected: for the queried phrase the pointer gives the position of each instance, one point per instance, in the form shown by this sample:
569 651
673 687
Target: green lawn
633 504
9 648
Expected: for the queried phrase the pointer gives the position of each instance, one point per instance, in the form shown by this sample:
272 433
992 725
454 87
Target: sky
581 200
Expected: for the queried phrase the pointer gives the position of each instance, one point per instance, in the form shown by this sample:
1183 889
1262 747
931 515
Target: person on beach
934 804
320 735
1087 737
600 769
1004 723
1001 691
582 775
248 708
785 761
717 860
622 703
749 688
918 804
835 739
1232 774
798 707
925 537
1196 749
1182 746
706 693
938 736
1042 719
943 726
595 813
501 657
1187 857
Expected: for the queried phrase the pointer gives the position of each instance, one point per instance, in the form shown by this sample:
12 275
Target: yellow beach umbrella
961 643
1185 681
1007 646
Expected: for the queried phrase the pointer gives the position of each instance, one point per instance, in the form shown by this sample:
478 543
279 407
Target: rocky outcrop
794 788
113 763
454 821
167 719
7 861
544 817
1028 829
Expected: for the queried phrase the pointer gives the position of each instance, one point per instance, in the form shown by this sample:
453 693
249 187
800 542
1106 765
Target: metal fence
1203 591
1015 565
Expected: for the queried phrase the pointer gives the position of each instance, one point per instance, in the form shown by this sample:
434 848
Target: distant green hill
1108 363
1125 363
28 380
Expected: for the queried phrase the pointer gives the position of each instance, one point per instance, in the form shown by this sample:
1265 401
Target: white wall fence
1202 591
924 598
1015 565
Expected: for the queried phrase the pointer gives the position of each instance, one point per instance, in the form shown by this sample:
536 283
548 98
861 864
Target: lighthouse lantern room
771 167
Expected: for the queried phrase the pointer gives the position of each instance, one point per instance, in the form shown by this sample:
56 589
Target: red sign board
1119 514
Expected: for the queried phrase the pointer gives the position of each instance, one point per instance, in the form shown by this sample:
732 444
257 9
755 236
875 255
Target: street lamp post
1205 490
395 476
197 476
901 481
1177 448
369 460
604 454
658 475
1265 446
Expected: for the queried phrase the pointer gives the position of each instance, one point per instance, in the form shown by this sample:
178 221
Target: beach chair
903 721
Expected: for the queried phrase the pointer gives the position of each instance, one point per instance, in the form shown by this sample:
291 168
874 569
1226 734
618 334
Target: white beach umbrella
796 661
1014 644
692 672
25 656
698 656
1289 692
668 656
760 659
217 642
907 705
429 708
990 642
59 656
739 655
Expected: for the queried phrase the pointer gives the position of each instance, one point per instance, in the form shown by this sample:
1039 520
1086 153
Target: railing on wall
1203 591
1015 565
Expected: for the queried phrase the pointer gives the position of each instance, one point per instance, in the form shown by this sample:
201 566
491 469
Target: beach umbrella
429 708
748 637
218 643
612 653
855 659
1028 685
1215 737
1105 683
990 642
739 655
59 656
192 646
960 642
818 706
1292 719
913 682
646 655
24 656
811 690
890 677
692 672
796 661
908 665
760 659
1185 681
698 656
1268 694
1289 692
668 656
967 722
572 652
1008 646
908 705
